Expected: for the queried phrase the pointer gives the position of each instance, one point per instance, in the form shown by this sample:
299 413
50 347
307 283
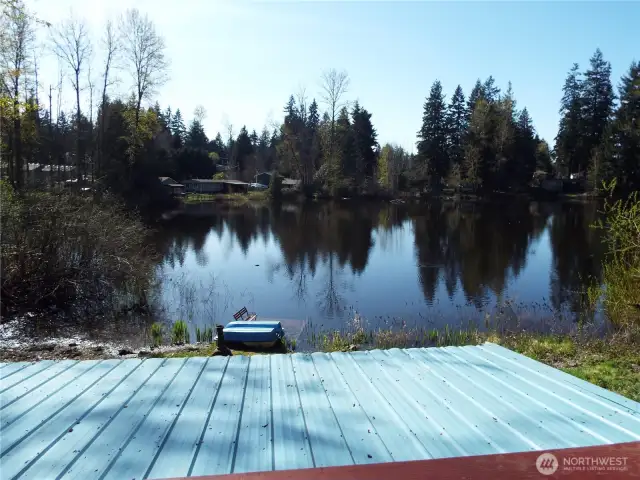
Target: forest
482 142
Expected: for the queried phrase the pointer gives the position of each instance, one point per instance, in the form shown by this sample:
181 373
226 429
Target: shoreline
612 362
262 198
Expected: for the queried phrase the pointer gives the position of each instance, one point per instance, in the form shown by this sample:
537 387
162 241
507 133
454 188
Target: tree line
482 142
596 136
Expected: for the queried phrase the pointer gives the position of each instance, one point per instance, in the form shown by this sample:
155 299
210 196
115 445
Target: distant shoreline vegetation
476 143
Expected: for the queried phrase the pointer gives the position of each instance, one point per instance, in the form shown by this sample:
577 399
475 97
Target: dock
173 418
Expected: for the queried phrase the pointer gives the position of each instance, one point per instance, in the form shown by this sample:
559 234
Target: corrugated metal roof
160 418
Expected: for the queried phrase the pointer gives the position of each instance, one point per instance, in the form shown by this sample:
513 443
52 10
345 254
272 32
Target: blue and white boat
254 333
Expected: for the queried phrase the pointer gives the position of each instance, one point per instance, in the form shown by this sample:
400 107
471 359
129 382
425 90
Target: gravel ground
16 346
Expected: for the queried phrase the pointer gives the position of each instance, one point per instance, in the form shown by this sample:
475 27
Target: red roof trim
510 466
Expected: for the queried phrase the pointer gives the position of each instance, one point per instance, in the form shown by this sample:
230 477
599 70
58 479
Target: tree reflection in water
464 252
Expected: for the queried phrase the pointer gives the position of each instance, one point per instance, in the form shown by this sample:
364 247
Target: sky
242 60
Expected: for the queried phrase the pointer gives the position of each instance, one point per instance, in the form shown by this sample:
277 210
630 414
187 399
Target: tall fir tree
313 125
479 164
627 130
242 152
432 137
167 117
218 146
490 92
347 152
178 129
507 162
457 125
597 104
254 138
196 137
476 94
262 151
569 146
365 138
525 150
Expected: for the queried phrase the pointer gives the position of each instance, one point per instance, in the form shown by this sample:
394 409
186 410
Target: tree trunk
78 140
17 142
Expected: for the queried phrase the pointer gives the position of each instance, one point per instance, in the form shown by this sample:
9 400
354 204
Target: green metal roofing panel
160 418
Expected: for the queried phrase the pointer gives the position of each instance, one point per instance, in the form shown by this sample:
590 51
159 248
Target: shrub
621 267
180 332
157 334
70 250
204 336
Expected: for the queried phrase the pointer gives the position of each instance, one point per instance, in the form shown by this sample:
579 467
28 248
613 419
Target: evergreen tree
457 124
313 119
432 143
160 116
525 151
569 142
196 137
168 118
218 146
490 92
272 160
242 151
293 147
254 138
626 156
476 94
178 129
543 156
347 149
508 161
365 143
598 98
479 164
313 125
262 150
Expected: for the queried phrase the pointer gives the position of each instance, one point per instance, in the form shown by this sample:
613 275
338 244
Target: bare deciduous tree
111 47
229 128
71 44
199 114
334 86
302 102
143 55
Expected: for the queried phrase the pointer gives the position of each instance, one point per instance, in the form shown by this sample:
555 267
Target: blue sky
241 60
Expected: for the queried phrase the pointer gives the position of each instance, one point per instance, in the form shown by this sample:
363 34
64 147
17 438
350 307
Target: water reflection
432 261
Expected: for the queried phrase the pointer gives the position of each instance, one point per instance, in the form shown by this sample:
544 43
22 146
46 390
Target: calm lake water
428 265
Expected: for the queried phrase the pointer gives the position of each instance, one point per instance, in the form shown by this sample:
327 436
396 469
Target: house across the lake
208 186
264 178
174 187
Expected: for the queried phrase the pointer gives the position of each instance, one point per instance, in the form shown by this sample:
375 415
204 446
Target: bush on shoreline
620 292
70 250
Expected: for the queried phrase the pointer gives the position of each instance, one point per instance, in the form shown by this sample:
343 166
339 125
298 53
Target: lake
430 265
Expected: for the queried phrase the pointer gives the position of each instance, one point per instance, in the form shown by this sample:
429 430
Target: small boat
253 333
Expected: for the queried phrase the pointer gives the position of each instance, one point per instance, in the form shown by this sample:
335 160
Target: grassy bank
612 363
229 198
